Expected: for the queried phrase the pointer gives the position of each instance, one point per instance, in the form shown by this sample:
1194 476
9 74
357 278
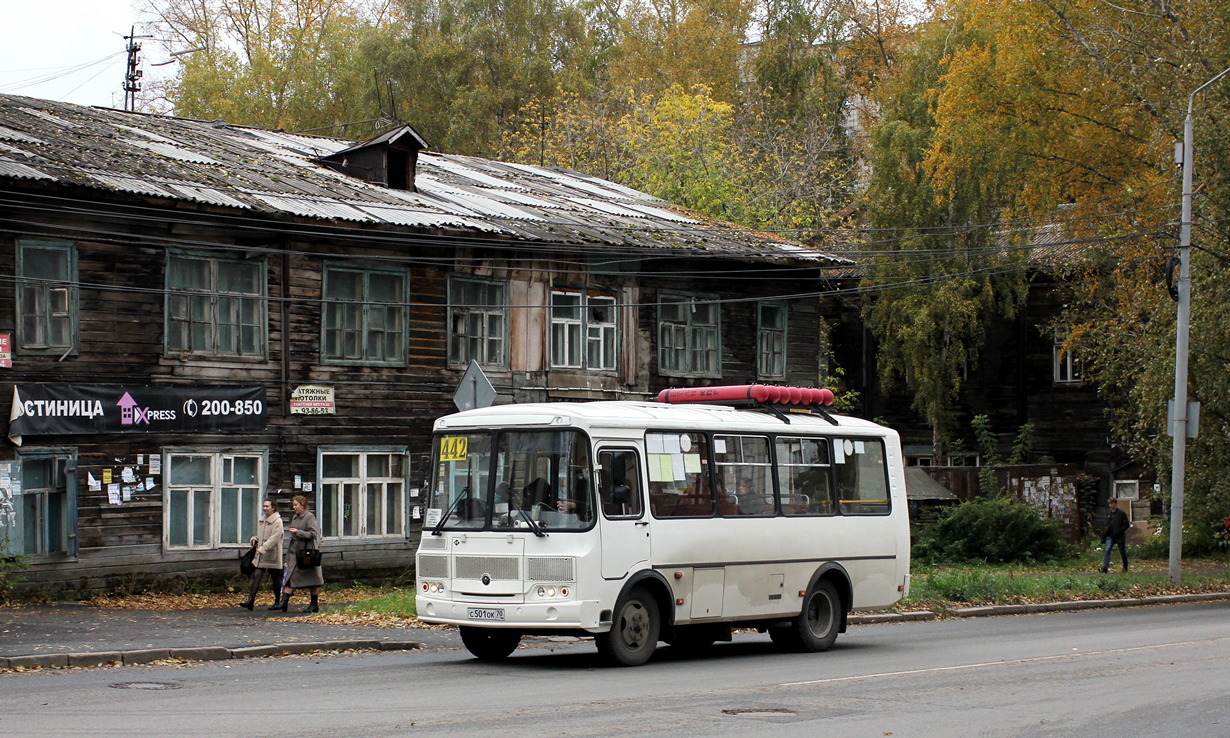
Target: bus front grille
549 569
499 568
433 567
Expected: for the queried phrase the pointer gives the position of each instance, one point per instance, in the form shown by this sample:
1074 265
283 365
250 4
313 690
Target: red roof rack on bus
768 396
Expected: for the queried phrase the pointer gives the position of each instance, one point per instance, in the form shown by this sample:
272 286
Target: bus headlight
552 591
434 588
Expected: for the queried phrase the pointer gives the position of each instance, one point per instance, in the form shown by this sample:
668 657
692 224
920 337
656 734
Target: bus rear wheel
489 644
816 627
634 630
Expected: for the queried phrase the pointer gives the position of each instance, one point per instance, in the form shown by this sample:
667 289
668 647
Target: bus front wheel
634 630
489 644
816 627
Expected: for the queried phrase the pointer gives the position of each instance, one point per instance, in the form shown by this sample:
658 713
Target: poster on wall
71 409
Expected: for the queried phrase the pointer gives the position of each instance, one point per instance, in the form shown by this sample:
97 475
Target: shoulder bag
309 556
246 567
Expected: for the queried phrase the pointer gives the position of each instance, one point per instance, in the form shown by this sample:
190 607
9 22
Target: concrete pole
1179 428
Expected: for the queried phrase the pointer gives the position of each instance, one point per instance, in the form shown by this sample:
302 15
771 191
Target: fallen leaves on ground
196 601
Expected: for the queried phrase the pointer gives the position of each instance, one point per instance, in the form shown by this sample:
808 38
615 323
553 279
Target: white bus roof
639 415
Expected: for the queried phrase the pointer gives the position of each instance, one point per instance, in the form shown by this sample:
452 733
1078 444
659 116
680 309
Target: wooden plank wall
121 342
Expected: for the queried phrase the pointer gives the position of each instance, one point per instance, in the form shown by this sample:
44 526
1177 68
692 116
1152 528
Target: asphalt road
1123 672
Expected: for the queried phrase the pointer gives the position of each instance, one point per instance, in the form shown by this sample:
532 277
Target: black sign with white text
62 409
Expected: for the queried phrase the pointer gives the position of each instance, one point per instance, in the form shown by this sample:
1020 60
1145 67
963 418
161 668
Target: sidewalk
73 634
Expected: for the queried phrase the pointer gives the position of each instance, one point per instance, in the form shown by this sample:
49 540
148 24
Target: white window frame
211 307
1066 365
592 341
331 507
689 348
365 312
953 458
485 348
31 536
771 341
53 300
1127 489
213 489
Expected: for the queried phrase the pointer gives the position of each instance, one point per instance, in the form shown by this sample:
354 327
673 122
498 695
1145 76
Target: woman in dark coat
304 534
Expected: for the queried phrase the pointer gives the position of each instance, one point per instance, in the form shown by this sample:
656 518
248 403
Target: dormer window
389 159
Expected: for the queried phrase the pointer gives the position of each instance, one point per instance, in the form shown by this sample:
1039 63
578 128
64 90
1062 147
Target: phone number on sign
227 407
309 410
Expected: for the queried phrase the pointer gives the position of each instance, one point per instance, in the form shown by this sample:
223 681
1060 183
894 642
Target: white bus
634 522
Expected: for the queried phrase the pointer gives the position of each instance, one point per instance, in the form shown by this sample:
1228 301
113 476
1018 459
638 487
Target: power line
58 73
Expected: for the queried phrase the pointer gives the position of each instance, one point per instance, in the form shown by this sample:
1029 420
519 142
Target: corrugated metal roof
171 150
276 172
8 134
9 168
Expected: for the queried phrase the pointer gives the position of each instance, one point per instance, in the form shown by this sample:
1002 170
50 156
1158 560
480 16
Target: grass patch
942 588
395 601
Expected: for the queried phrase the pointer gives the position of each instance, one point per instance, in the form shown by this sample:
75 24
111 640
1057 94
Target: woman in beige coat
268 542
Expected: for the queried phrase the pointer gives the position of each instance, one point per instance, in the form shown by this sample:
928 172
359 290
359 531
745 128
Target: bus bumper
578 615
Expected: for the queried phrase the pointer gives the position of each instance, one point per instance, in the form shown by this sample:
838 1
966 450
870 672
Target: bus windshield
537 480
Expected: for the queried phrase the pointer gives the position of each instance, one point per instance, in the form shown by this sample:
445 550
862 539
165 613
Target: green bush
1157 545
991 531
12 572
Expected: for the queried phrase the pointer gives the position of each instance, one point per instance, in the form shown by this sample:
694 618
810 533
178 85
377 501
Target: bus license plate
486 613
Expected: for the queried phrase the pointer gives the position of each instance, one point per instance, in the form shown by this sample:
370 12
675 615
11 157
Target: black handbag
308 558
246 567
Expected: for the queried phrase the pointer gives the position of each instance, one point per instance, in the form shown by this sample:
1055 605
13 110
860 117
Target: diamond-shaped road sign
474 390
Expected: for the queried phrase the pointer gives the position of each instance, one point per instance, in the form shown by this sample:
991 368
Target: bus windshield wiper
533 525
465 494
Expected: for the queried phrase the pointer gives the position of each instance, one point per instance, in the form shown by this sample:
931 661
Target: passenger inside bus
753 501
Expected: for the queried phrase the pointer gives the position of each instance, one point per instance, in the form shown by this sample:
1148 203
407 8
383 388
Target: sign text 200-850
227 407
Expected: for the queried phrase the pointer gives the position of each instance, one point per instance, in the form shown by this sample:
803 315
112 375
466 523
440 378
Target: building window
216 306
583 330
46 296
478 319
364 316
689 335
771 341
362 494
964 459
1127 489
39 516
1067 365
213 499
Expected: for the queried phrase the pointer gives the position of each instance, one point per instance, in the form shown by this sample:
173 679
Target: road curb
205 653
993 610
890 617
1069 605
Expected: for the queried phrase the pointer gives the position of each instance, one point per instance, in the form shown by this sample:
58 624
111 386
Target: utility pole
132 76
1179 427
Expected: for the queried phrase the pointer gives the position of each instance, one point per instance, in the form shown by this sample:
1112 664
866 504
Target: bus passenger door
624 522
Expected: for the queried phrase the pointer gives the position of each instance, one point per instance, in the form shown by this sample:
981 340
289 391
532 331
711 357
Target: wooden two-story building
195 315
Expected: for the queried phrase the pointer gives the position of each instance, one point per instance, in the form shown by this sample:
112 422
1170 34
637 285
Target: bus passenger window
862 478
619 484
745 470
803 472
679 475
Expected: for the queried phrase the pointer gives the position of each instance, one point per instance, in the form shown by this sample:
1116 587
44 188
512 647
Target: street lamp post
1179 428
